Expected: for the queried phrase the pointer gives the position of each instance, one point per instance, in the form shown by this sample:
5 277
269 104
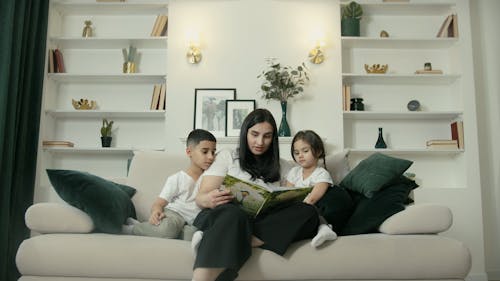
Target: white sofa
63 246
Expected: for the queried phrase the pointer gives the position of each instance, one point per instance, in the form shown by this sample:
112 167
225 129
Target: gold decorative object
376 68
129 59
128 67
83 104
384 33
316 55
87 30
193 54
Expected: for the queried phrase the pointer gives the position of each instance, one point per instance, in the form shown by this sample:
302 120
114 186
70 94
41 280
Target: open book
255 199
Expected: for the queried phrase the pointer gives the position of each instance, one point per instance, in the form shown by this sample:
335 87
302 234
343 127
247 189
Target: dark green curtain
23 29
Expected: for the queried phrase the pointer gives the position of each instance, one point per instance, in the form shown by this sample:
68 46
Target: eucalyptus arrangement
281 83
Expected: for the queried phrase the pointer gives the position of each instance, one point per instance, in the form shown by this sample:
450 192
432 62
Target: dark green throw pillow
374 172
106 202
336 207
371 212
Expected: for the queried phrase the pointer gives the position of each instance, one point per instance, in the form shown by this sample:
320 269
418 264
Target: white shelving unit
94 72
386 95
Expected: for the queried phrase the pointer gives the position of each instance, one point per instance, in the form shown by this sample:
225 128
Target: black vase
106 141
380 141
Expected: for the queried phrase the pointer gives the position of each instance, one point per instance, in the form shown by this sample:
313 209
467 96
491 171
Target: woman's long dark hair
266 166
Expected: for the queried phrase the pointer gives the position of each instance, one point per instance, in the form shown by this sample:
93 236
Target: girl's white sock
325 233
195 241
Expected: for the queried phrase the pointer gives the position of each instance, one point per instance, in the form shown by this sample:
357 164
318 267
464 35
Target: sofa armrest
418 219
57 218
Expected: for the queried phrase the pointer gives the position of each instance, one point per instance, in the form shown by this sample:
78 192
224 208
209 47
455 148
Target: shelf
398 43
427 8
107 113
413 79
107 78
235 140
109 43
98 150
415 115
131 7
406 151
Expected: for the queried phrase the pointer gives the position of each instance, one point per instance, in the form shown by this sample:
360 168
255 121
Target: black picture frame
210 109
236 112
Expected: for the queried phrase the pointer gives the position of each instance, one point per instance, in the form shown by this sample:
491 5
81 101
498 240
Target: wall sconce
194 53
316 55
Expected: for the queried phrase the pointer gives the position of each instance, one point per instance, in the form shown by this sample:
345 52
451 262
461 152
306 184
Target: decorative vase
380 141
349 27
284 129
106 141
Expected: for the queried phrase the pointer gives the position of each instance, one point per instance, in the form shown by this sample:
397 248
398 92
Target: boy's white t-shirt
319 174
180 192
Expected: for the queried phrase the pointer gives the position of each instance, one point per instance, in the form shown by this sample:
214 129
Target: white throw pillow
338 165
57 218
418 219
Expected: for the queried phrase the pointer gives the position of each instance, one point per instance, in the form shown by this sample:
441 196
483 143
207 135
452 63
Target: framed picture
210 109
236 111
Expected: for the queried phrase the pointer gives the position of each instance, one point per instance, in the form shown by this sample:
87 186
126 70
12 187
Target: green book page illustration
255 199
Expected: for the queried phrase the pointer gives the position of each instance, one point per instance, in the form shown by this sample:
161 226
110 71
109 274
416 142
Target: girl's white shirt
320 174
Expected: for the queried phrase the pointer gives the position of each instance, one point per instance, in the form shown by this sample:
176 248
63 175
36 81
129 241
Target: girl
307 149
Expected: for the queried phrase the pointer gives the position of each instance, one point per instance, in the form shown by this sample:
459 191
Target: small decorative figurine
357 104
83 104
87 30
384 33
427 66
376 68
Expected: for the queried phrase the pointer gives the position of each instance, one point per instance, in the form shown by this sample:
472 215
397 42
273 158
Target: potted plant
281 83
351 15
106 133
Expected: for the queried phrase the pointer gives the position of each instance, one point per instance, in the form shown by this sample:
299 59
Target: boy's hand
156 217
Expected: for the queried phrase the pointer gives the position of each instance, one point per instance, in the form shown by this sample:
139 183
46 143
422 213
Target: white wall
236 37
486 43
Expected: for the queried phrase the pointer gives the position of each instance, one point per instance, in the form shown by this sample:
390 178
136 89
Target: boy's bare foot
256 242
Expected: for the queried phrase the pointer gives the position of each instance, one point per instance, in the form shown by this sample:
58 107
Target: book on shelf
256 199
51 61
58 62
346 97
156 97
160 26
442 144
58 143
457 133
433 71
161 101
449 28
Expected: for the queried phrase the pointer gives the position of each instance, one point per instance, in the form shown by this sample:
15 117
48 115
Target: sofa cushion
148 172
371 212
64 218
419 219
106 202
374 172
338 165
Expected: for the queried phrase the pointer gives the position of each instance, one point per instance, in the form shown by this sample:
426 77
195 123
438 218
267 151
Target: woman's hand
156 217
218 197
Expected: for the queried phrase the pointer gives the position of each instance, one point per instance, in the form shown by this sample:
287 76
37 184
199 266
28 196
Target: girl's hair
266 166
314 140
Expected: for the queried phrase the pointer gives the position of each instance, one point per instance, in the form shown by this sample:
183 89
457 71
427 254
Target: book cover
457 133
256 199
455 25
156 97
58 58
51 61
163 31
347 97
155 26
443 30
161 25
161 102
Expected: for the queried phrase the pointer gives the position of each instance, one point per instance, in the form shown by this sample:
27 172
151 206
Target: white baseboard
494 275
477 277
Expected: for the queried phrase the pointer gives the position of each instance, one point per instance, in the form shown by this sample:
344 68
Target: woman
228 233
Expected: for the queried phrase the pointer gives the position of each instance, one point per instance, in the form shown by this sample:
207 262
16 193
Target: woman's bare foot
256 242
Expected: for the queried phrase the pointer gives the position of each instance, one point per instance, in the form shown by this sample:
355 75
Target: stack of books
160 26
346 97
442 144
158 98
57 143
449 28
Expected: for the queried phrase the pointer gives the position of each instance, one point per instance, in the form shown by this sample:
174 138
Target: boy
176 206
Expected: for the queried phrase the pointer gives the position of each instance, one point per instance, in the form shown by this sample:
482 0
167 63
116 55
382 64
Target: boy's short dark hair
198 135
